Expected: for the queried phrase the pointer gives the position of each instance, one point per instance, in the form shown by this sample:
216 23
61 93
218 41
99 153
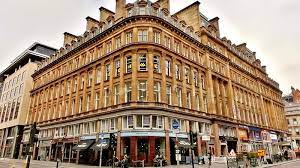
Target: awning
83 145
104 143
182 142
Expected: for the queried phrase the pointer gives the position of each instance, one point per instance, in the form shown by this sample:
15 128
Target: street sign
178 157
175 124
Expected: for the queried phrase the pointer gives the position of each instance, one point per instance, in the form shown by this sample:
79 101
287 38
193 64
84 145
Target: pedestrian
209 159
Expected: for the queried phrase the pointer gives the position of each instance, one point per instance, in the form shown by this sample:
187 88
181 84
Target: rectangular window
80 104
143 121
197 102
17 108
106 97
97 100
107 72
93 127
128 64
157 122
142 87
90 81
118 42
128 122
143 62
168 67
169 94
143 35
86 128
178 94
68 87
177 72
75 85
203 82
117 68
188 100
127 92
156 37
196 78
104 125
167 42
177 46
112 124
82 82
88 102
109 47
156 91
156 64
129 37
187 74
117 95
98 75
73 106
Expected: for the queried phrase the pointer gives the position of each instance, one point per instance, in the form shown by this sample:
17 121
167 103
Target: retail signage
243 135
273 137
180 135
88 137
205 138
175 124
156 134
266 136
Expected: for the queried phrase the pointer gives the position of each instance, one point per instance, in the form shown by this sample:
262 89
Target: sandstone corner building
139 68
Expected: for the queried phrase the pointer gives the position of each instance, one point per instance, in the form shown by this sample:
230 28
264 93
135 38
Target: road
7 163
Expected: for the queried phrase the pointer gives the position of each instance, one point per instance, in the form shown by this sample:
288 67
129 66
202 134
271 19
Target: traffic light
112 141
33 134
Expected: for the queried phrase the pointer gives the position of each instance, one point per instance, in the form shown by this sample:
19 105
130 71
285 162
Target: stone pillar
151 148
215 127
168 151
150 82
199 147
134 81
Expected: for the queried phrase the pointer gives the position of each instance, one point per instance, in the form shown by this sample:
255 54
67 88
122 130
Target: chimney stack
120 9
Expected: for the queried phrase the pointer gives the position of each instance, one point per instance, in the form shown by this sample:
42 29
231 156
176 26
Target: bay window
127 92
128 122
156 64
143 121
143 62
156 91
128 64
142 90
142 35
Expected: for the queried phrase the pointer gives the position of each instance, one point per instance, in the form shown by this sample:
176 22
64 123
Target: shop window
143 62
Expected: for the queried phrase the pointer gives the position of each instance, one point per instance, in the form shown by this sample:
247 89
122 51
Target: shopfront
267 142
143 145
59 149
244 140
255 139
85 155
228 138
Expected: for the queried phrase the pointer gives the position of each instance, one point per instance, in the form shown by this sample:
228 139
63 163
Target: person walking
209 159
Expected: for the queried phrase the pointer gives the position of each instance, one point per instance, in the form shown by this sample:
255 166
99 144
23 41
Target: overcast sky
269 27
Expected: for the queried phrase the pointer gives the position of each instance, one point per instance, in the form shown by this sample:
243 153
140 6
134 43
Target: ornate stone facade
134 71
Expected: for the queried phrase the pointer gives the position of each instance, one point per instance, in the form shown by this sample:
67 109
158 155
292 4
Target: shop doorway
143 149
232 146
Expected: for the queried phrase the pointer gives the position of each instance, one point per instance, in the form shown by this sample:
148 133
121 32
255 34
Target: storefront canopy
102 143
182 142
83 145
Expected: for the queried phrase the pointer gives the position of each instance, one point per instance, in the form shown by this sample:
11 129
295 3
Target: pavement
11 163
